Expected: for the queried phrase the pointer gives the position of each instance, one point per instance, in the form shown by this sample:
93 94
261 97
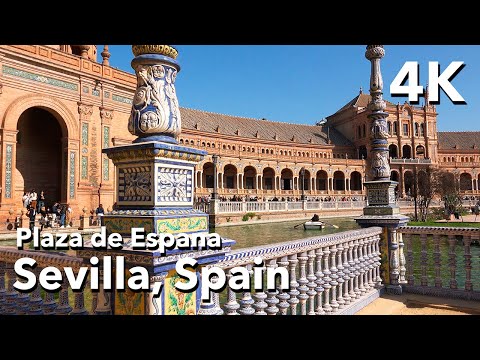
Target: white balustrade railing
229 207
330 274
440 261
297 205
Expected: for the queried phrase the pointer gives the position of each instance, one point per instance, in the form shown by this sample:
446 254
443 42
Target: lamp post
99 194
302 173
215 175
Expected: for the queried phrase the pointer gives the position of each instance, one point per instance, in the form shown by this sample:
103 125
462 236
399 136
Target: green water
263 234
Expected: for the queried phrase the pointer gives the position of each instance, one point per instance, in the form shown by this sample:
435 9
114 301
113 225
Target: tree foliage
434 183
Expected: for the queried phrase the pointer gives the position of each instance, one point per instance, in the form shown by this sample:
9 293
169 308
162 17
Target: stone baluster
361 268
401 255
259 296
231 306
340 274
293 301
452 241
424 259
79 302
216 298
23 300
437 258
283 295
303 281
372 267
311 283
333 269
36 301
346 274
468 263
63 307
49 304
319 281
11 295
366 265
272 299
352 268
357 290
394 287
3 266
104 304
94 302
410 275
246 302
326 280
378 263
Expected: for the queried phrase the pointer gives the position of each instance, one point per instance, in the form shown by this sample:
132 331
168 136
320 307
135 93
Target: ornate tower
382 209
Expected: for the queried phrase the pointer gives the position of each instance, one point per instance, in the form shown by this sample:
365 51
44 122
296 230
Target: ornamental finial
165 50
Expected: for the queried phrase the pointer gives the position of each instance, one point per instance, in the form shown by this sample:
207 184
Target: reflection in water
264 234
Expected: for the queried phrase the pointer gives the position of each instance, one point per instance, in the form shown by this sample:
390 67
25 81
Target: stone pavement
412 304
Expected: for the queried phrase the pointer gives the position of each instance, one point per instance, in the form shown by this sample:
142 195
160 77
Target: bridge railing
38 302
440 261
331 274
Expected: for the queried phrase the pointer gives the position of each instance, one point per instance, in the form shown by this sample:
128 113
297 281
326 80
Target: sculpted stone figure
380 166
155 114
379 130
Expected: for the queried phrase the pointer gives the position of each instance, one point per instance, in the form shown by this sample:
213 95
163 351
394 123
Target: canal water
250 235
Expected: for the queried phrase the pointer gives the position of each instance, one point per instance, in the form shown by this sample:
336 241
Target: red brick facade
60 107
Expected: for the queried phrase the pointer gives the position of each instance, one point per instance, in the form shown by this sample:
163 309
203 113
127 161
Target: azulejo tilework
178 302
72 175
8 171
174 184
157 212
124 225
40 78
182 225
84 134
122 99
84 171
134 184
106 169
106 137
129 302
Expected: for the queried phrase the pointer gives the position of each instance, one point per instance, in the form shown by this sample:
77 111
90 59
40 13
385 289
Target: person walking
100 212
63 214
31 213
33 199
69 215
41 200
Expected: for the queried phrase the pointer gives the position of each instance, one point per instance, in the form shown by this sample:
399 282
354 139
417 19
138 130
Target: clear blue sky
303 84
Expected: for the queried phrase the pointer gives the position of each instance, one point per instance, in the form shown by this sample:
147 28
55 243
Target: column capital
85 111
106 115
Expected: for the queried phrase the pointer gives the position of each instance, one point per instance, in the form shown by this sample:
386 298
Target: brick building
60 107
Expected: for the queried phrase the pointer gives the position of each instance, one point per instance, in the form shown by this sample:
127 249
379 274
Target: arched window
422 129
395 128
416 129
389 126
